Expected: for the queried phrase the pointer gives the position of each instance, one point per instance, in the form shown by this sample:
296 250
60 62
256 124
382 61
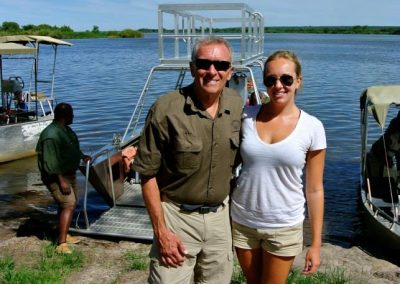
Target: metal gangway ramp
127 218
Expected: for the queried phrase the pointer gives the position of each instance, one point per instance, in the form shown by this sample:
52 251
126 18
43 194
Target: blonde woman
268 206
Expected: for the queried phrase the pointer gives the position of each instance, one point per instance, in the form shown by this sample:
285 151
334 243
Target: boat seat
39 96
42 100
380 203
10 89
380 188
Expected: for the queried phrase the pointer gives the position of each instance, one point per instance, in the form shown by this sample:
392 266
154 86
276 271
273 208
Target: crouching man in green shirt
59 156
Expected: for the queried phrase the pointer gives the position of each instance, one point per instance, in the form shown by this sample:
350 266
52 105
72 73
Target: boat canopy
24 39
378 99
10 48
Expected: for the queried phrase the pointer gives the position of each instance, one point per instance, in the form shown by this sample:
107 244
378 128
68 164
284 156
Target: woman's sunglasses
205 64
285 79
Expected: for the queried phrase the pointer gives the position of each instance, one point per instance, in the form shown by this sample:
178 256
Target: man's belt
202 209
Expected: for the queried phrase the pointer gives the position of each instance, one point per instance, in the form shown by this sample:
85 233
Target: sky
81 15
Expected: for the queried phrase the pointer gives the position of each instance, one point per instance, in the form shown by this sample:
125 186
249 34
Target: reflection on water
21 189
102 78
20 176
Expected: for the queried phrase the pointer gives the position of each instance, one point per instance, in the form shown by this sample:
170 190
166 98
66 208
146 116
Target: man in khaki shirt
186 157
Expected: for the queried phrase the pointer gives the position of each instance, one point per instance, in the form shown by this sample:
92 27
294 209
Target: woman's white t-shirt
269 192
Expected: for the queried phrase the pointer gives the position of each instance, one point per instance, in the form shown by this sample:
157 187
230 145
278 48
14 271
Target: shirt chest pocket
188 153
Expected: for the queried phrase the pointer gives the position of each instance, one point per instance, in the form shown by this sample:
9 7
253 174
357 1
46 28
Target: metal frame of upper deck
185 23
180 25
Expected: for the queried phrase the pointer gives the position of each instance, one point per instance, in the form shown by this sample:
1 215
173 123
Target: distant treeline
64 32
389 30
336 30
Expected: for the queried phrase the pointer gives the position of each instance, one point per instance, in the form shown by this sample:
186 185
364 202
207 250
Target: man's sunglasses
285 79
205 64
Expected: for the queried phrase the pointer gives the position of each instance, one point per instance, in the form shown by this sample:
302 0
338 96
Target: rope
388 174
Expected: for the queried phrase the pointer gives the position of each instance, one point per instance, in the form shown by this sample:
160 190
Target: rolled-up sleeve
148 158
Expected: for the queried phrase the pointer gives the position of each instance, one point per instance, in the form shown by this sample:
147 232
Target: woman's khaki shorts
286 241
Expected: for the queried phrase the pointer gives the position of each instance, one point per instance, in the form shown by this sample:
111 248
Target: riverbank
23 236
28 226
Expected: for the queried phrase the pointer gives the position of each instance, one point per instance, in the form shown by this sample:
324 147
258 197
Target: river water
102 78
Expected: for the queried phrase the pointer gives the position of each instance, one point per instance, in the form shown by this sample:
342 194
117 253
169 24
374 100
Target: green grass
137 260
237 276
140 261
50 268
53 268
334 276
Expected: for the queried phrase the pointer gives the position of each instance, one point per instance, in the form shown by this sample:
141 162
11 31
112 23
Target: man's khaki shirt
190 153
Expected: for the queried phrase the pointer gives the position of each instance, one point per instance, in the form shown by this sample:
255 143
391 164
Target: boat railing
393 220
138 115
180 25
106 152
85 196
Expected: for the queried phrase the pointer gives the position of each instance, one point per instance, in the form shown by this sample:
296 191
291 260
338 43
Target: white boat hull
19 140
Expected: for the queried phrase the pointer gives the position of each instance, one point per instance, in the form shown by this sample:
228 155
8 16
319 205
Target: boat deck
132 195
127 219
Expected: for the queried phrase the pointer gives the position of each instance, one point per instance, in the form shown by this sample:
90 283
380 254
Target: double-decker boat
25 111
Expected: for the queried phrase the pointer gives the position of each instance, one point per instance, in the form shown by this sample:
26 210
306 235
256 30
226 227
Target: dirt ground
22 237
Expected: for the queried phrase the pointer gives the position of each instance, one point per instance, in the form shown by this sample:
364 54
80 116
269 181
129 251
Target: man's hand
86 158
64 185
172 250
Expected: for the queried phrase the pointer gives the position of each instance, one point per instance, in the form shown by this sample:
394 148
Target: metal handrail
111 176
379 211
86 194
87 173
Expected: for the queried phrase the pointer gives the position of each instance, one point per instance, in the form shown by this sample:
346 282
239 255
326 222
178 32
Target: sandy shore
23 234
